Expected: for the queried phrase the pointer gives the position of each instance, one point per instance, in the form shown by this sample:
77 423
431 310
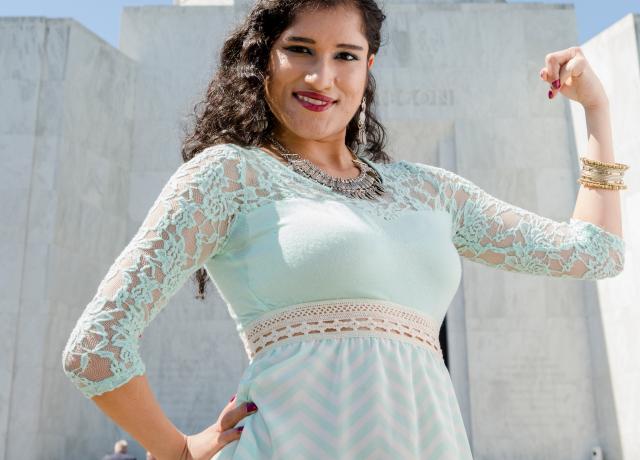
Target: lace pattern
341 318
195 212
502 235
187 224
484 228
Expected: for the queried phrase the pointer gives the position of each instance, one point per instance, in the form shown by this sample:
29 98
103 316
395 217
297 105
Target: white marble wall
614 313
65 141
20 91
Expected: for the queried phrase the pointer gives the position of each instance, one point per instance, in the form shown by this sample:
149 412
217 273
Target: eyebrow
309 40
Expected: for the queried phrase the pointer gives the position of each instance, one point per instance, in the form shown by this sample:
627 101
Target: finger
573 69
227 436
229 417
553 62
543 74
556 84
230 435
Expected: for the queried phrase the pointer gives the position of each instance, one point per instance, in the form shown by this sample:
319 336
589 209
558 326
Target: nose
322 74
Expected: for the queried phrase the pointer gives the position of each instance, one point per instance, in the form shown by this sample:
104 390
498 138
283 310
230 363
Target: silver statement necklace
367 185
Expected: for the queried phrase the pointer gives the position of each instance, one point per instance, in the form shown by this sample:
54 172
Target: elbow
71 364
71 354
96 371
618 267
618 258
70 360
613 266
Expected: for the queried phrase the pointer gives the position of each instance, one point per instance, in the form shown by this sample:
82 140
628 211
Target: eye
296 49
302 49
350 57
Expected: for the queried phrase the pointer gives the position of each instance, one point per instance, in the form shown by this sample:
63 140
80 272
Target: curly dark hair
235 97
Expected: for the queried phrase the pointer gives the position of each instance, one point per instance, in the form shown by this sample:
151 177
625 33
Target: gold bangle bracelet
602 185
598 170
602 164
601 177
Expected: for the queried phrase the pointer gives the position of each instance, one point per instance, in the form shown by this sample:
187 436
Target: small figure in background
120 452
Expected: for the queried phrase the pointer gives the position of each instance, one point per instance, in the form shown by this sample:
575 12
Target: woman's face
322 53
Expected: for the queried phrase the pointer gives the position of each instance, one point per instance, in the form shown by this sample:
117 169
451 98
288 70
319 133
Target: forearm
134 408
599 206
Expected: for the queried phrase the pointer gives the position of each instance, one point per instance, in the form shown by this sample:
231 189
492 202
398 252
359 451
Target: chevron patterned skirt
347 379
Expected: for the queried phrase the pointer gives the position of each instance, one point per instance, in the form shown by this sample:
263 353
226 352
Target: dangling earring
362 134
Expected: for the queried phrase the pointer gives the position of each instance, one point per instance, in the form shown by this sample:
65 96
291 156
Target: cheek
354 92
355 82
281 69
281 83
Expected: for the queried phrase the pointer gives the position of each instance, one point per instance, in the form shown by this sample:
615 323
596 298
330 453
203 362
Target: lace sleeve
493 232
187 224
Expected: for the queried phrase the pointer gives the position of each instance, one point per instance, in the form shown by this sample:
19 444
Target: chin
315 135
308 131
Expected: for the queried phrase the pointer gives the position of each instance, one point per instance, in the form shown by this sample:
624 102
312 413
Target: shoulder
415 166
215 162
214 169
220 153
431 173
442 176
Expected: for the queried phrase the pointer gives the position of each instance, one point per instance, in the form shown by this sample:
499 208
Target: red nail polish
232 398
251 407
556 84
240 428
550 94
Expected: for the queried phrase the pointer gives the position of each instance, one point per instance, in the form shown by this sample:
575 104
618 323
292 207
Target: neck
330 153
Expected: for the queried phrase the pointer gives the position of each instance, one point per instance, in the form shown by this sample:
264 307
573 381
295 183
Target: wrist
185 454
179 449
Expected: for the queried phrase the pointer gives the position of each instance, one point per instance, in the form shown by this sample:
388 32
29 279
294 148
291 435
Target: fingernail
232 398
240 428
251 407
556 84
550 94
542 73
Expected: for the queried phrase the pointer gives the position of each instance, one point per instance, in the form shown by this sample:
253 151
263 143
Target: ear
370 62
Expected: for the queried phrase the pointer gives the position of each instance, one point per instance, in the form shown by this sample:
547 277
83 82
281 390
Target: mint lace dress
338 301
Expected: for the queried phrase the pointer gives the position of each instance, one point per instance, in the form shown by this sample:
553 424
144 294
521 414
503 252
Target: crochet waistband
341 318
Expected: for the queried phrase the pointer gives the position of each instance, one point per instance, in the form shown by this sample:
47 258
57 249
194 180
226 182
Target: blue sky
103 16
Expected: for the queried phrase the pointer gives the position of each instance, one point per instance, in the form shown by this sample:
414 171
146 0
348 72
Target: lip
314 95
314 107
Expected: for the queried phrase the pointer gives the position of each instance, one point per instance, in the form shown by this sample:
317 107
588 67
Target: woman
337 264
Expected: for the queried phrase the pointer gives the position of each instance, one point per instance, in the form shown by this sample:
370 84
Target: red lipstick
320 102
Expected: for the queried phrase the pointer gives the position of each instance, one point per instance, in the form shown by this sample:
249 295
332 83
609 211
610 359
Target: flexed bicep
501 235
505 236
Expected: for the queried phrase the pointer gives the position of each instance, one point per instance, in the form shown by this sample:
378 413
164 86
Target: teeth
311 101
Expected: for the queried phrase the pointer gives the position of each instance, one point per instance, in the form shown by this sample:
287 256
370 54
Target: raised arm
495 233
187 224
